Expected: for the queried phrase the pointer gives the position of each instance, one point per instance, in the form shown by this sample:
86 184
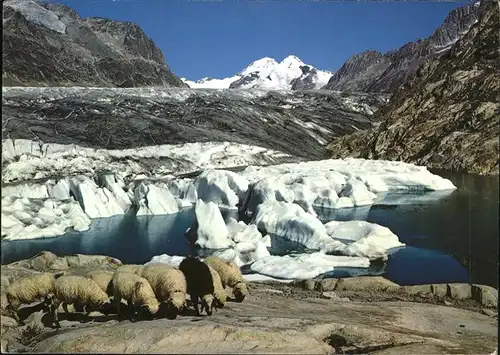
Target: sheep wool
136 290
199 283
168 283
78 290
103 279
230 275
131 268
28 290
219 294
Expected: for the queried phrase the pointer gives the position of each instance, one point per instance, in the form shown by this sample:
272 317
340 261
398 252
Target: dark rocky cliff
447 116
372 71
50 45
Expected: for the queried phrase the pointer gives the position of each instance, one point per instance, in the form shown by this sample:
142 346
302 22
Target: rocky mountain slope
298 123
372 71
266 73
447 116
50 45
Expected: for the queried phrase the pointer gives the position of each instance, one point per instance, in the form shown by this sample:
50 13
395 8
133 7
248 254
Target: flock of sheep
144 287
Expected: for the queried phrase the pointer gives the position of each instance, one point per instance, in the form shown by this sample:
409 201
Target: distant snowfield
55 187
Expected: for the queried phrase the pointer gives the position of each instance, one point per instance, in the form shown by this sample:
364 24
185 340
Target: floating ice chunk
327 198
358 193
123 200
241 232
24 218
154 200
224 188
303 196
172 260
61 190
209 227
261 278
304 266
378 175
267 189
290 221
363 238
97 202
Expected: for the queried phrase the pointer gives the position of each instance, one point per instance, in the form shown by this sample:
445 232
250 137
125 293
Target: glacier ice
222 187
363 238
290 221
26 218
304 266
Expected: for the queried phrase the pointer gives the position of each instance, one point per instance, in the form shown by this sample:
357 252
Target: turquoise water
451 237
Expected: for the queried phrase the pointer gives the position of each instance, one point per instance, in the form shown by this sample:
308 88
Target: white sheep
30 289
168 284
131 268
230 275
103 279
220 294
136 290
77 290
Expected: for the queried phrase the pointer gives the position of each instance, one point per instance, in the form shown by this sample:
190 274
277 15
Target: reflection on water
463 222
132 239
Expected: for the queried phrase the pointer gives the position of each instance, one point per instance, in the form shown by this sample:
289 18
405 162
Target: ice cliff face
48 44
372 71
447 116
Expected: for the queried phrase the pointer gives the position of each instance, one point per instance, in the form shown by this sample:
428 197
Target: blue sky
220 38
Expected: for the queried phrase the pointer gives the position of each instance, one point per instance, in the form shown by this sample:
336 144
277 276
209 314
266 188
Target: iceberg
24 218
304 266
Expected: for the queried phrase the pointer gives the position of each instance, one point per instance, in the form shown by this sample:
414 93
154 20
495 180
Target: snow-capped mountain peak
267 73
265 63
292 61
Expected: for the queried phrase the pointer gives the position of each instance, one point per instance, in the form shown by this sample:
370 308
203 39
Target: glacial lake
450 237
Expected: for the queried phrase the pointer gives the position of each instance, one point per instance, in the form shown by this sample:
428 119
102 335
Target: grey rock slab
273 323
486 295
459 291
372 283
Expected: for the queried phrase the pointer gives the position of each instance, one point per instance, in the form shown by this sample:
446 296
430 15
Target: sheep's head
208 303
240 291
178 300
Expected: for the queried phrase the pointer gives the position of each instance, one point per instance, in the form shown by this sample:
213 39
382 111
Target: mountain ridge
48 44
447 116
373 71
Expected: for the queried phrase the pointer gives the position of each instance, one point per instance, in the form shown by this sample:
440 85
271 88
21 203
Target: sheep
131 268
220 295
169 285
199 283
136 290
73 289
103 279
30 289
230 275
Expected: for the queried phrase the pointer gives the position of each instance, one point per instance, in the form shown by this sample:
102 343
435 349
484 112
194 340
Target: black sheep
199 283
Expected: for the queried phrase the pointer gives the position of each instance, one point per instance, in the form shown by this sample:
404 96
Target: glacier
104 187
51 188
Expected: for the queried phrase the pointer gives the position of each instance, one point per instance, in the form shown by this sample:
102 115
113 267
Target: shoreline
355 315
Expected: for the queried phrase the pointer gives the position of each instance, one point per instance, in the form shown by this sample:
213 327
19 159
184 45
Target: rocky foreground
356 315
